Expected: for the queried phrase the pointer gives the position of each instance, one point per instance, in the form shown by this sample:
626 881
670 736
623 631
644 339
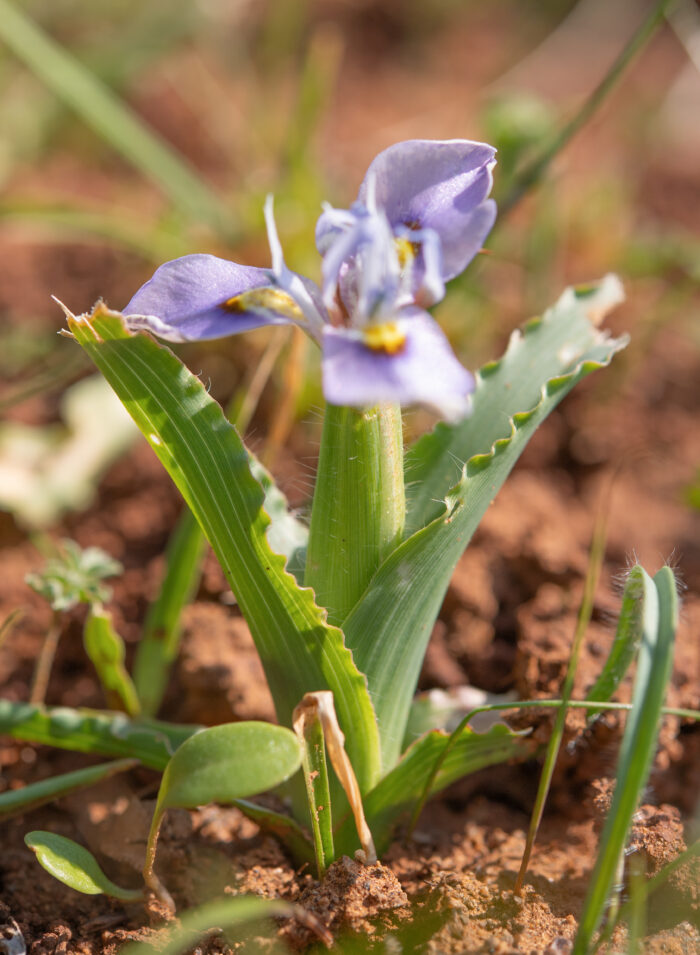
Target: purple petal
194 297
417 366
437 185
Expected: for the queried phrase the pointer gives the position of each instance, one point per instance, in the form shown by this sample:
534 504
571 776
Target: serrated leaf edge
318 614
604 295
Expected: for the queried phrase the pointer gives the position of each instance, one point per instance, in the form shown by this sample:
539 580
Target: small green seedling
73 865
75 575
222 764
71 576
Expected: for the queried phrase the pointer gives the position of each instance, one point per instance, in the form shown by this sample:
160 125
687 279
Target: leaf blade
92 731
655 659
389 628
228 762
73 865
547 348
210 465
17 801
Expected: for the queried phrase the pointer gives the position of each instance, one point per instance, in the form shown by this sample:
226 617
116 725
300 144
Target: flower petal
408 360
199 297
440 185
203 296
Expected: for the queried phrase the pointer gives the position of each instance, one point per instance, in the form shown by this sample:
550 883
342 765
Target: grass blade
90 731
109 117
18 801
533 172
627 637
584 618
160 640
638 745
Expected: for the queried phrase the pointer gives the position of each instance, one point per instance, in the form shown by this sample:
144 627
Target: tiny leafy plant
75 576
340 610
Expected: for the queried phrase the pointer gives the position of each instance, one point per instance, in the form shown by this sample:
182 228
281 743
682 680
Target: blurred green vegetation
296 98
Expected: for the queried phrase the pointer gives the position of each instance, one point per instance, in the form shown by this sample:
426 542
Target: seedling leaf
229 762
75 575
73 865
161 633
221 764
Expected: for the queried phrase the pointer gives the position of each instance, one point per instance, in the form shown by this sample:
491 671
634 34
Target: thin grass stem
595 564
44 663
533 172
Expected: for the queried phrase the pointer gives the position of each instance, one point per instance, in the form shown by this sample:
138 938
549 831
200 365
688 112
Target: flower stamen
264 301
387 337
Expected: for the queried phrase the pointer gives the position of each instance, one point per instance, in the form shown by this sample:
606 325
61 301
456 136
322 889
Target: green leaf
286 534
358 509
221 764
228 762
654 663
160 639
75 576
73 865
220 914
545 349
109 117
445 709
395 797
210 465
106 650
389 628
17 801
90 731
309 730
627 637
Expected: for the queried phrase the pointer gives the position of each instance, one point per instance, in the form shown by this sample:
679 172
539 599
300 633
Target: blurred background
135 132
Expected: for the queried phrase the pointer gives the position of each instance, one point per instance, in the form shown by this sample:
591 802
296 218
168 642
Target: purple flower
198 297
434 196
422 214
